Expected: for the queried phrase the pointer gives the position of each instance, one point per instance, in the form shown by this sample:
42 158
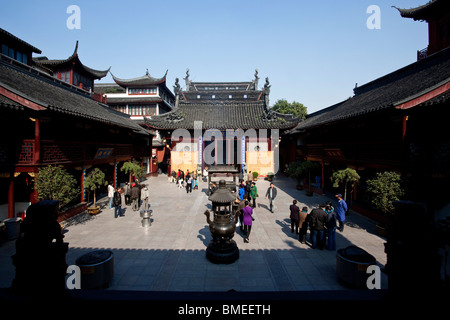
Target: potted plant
133 168
270 176
385 188
255 175
345 176
55 183
93 181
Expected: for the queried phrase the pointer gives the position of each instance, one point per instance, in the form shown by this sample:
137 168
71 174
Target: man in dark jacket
135 193
271 194
318 219
117 200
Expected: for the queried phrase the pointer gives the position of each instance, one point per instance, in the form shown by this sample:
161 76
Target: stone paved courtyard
170 255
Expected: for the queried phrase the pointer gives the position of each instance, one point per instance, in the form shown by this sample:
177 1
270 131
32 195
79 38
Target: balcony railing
53 152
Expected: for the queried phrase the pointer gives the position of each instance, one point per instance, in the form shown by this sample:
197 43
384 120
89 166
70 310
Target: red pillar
11 202
37 142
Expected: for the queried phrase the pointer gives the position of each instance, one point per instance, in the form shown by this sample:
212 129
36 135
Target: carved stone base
222 253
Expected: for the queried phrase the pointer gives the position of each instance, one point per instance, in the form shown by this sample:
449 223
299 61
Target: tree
295 108
345 176
386 188
55 183
94 180
133 168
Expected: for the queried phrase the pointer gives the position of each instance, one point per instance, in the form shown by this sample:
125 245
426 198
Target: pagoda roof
145 80
48 94
424 12
57 64
222 116
390 91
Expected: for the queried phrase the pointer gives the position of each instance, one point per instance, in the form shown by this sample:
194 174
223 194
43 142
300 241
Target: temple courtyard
169 256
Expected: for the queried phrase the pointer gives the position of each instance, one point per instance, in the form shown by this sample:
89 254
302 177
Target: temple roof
424 12
222 116
389 91
57 64
11 37
222 86
145 80
52 95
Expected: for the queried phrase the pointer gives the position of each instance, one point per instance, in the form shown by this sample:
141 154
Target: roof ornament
177 87
255 82
270 116
76 49
146 73
174 117
188 81
266 90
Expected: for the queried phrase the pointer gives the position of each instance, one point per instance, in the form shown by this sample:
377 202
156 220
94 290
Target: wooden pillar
83 191
404 126
322 183
115 175
11 201
37 142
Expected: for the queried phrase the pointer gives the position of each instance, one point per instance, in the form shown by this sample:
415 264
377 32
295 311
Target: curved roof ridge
146 79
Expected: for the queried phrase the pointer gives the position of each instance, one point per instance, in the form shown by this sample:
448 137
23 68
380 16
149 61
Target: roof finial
76 49
188 82
146 73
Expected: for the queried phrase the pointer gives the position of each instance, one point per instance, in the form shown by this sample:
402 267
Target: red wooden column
11 201
37 142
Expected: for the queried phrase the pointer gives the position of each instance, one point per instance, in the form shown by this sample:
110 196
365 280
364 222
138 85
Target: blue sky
312 51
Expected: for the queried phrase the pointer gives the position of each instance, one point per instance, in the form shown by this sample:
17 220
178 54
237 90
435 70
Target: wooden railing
66 151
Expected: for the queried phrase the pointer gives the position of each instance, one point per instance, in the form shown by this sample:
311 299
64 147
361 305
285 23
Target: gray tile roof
233 115
387 91
54 95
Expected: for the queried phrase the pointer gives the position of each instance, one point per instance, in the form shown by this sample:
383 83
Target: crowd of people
322 222
135 195
184 180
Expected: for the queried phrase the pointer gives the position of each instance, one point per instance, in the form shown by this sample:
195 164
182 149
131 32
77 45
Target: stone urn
222 249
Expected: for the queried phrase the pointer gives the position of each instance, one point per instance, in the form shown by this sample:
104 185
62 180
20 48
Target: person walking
295 216
253 194
127 193
318 218
271 194
241 192
188 183
117 200
331 226
341 209
205 175
303 225
247 221
135 197
110 195
247 190
145 196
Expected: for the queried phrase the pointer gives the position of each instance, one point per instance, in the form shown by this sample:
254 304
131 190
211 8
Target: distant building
140 98
72 71
214 114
